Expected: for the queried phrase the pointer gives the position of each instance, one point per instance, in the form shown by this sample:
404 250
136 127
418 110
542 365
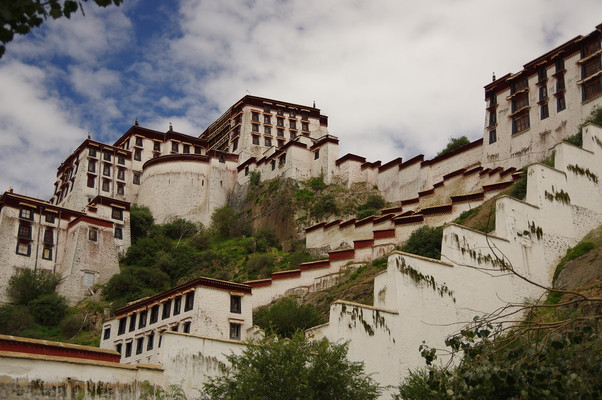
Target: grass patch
571 254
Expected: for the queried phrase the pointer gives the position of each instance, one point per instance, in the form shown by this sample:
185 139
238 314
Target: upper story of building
203 306
256 124
81 246
529 111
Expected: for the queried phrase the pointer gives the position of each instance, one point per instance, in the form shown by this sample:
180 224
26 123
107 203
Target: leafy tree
135 282
453 145
286 316
15 319
141 222
324 206
227 223
48 309
179 229
21 16
425 241
371 207
29 284
293 369
265 239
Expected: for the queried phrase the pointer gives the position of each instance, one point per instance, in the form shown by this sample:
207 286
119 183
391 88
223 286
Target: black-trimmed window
234 331
543 93
139 141
559 64
24 231
186 148
246 170
255 128
266 108
255 139
560 103
189 301
139 345
175 146
137 154
316 154
545 112
198 150
292 124
49 236
47 253
267 130
133 322
304 126
589 48
106 156
150 341
106 185
520 101
186 327
91 180
154 314
117 213
136 178
592 88
118 234
268 141
107 333
492 136
177 304
273 163
49 217
122 325
590 67
304 115
118 348
254 117
267 119
520 122
121 159
280 122
280 111
121 174
280 132
92 166
23 249
142 319
92 152
292 113
235 304
93 234
174 328
157 146
235 145
166 309
128 349
121 189
542 74
26 213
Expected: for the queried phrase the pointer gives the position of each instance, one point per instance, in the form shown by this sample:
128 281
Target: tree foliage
425 241
373 204
293 369
227 223
141 222
29 284
453 145
286 316
21 16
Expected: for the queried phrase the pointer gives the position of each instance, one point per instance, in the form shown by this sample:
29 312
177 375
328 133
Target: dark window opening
189 301
121 329
132 322
166 309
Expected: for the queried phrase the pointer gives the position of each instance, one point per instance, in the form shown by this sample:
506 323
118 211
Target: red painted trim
391 210
350 157
484 171
331 224
470 146
497 186
472 171
460 198
382 218
246 163
306 266
363 243
352 221
314 227
415 160
91 220
259 283
409 219
510 170
324 140
47 348
384 234
295 273
364 221
427 192
390 165
455 173
446 208
345 254
438 184
495 170
375 164
410 201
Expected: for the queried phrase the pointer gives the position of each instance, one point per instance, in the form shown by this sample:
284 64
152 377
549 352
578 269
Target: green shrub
572 253
227 223
29 284
265 239
260 265
254 178
48 309
141 222
14 319
324 206
453 145
317 183
286 316
135 282
594 117
201 241
371 207
179 229
367 212
71 325
519 188
425 241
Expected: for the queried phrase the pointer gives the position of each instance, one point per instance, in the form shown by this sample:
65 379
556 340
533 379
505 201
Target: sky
396 78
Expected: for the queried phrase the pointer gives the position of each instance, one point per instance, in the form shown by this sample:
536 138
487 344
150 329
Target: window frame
26 213
27 246
235 304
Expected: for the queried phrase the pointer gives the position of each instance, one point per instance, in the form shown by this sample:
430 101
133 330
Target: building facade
203 307
81 246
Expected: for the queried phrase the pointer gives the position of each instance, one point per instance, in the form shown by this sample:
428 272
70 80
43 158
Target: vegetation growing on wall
425 241
286 316
453 145
372 206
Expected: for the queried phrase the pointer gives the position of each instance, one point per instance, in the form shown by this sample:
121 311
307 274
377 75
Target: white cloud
36 132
